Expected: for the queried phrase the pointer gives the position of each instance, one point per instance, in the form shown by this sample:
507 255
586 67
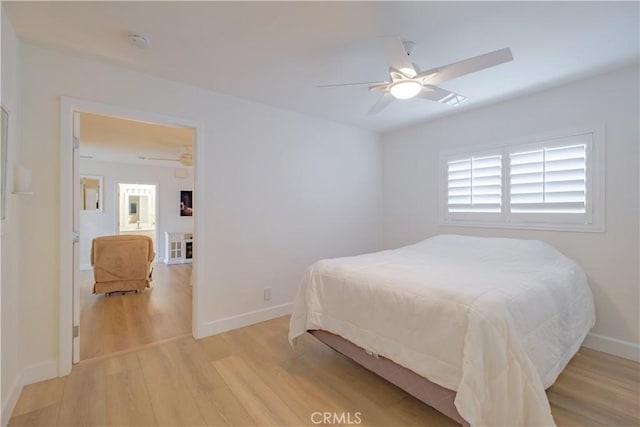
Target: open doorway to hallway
135 174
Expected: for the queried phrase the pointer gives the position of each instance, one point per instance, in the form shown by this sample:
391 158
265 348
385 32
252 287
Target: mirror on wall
91 193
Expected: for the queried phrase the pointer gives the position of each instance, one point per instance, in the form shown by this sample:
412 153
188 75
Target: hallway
124 322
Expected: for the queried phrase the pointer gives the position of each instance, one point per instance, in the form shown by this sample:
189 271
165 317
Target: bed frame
432 394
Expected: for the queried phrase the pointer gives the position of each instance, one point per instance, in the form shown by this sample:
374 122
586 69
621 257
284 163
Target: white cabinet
178 248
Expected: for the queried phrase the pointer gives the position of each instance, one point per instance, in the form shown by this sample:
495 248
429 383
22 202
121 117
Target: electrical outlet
267 294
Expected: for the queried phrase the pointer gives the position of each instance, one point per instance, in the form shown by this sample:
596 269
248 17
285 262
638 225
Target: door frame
70 105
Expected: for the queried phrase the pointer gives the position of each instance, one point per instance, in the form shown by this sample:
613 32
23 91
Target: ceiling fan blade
378 87
434 93
467 66
157 158
351 84
397 56
382 103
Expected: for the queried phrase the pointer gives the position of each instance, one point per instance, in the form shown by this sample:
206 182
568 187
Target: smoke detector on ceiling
138 40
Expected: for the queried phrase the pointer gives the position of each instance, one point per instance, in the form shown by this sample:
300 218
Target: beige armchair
121 263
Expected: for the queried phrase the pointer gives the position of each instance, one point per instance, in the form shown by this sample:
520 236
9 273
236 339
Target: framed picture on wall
186 203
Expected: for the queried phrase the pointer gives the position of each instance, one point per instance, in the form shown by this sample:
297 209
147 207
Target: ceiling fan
407 81
186 158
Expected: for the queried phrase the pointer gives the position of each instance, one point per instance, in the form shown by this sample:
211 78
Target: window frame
593 220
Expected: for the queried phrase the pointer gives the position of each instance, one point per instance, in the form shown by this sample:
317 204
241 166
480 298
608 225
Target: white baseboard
11 398
241 320
28 375
85 267
614 346
39 372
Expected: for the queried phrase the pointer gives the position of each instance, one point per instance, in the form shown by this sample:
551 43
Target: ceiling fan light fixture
409 72
405 89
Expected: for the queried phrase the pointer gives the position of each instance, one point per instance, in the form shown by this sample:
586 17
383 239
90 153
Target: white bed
495 320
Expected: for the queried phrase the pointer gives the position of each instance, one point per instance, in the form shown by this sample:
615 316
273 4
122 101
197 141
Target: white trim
84 267
68 106
39 372
65 310
523 226
614 346
197 322
11 398
245 319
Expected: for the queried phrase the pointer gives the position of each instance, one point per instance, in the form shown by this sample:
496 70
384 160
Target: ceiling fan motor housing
138 40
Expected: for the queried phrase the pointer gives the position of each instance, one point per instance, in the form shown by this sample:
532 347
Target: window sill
585 228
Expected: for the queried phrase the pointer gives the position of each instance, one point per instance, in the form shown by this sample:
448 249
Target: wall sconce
21 180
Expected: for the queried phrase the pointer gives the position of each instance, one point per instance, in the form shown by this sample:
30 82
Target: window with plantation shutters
551 180
556 184
475 184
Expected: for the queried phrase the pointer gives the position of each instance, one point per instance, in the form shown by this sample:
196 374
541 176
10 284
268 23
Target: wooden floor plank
46 416
305 395
411 412
40 395
121 363
260 401
172 401
215 347
217 404
128 400
84 399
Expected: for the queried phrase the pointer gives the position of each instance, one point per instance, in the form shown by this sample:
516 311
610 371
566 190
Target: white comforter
497 320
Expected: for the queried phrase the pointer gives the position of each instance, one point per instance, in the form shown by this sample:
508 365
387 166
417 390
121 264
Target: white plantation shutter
549 180
552 184
474 184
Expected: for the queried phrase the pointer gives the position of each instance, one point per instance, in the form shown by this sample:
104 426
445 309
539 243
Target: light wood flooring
122 322
251 376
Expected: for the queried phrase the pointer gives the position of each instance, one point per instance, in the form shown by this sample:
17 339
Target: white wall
276 190
94 224
610 258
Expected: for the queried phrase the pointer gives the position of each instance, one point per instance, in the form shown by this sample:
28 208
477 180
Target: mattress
495 320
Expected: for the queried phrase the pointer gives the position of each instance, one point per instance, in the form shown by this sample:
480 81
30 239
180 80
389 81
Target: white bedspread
497 320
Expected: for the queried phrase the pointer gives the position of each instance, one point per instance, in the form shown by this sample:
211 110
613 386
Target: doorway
133 158
70 275
136 210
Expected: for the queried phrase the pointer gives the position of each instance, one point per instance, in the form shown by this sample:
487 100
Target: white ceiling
118 140
277 53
